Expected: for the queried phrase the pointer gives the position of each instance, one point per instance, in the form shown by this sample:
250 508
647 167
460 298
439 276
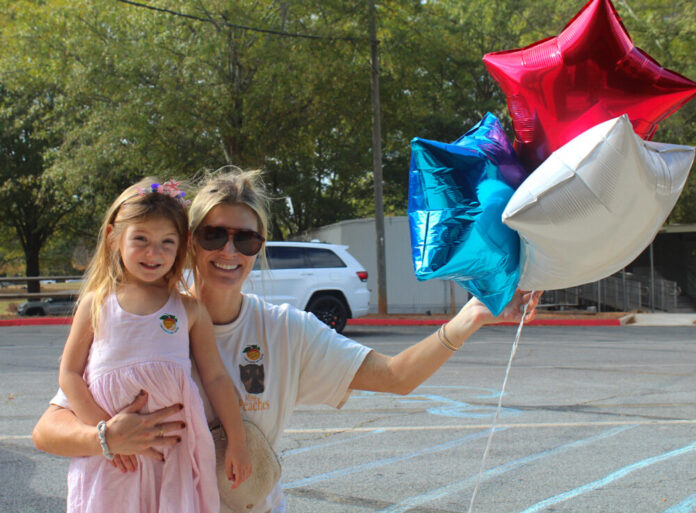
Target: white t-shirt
280 357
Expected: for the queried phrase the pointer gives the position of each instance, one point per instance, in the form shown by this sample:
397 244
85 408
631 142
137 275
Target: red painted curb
396 322
36 321
567 322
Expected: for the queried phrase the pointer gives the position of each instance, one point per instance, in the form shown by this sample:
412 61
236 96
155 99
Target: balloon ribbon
500 403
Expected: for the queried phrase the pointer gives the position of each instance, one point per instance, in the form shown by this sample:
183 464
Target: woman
278 356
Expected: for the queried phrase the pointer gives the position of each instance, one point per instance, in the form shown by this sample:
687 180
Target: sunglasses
247 242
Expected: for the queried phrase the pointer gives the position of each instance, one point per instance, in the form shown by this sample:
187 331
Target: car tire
330 310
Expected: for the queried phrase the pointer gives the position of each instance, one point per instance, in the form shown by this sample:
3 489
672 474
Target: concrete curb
438 322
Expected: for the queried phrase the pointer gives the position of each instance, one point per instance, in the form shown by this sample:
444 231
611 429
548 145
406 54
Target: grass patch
8 307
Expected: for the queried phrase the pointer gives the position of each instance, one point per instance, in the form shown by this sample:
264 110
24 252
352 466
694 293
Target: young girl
131 332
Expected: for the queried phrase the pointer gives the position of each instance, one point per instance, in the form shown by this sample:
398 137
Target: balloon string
500 403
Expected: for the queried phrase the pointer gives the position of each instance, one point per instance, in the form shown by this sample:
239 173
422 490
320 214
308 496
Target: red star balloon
591 72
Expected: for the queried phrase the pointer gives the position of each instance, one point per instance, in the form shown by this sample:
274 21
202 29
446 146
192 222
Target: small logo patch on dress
169 323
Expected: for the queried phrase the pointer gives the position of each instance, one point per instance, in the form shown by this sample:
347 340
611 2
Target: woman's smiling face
226 267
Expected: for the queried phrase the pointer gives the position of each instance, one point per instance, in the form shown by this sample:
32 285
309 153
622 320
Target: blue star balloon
457 194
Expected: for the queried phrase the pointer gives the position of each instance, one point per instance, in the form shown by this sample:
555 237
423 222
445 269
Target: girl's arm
220 389
402 373
73 363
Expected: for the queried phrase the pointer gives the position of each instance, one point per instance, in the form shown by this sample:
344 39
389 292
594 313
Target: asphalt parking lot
594 419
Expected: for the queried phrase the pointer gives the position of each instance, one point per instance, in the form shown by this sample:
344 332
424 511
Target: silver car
53 306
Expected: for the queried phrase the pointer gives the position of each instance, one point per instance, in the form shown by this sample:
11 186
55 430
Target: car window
323 258
285 257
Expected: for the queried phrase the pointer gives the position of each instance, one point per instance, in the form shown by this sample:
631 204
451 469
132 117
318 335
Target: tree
31 200
171 88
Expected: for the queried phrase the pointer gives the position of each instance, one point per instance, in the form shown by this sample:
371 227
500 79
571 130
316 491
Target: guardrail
38 295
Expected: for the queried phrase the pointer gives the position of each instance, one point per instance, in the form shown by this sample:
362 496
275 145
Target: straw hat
265 470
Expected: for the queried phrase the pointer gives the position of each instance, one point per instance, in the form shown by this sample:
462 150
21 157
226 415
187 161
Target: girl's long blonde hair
134 205
228 185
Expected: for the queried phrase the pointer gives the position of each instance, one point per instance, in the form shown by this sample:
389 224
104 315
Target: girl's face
148 250
226 267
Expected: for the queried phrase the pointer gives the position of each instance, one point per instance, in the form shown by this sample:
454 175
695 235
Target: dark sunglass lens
212 237
247 242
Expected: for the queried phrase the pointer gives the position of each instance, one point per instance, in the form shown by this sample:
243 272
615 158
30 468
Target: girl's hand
237 463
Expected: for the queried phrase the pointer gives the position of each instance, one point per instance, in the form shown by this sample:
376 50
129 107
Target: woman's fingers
138 403
163 428
155 455
157 417
125 462
133 433
120 463
130 462
531 299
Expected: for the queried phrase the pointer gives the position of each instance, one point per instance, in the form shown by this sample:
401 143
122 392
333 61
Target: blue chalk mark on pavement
386 461
688 505
323 445
622 472
446 407
417 500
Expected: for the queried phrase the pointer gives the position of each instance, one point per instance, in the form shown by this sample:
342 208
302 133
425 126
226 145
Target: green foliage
32 202
136 91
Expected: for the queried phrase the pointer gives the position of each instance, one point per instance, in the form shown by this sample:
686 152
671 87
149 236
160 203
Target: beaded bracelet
101 432
444 340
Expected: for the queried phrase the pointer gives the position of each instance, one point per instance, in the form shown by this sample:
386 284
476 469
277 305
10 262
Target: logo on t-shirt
252 374
252 377
253 354
169 323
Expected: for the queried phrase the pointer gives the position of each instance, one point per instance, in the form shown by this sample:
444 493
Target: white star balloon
594 205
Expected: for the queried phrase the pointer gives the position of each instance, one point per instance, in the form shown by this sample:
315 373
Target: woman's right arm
60 432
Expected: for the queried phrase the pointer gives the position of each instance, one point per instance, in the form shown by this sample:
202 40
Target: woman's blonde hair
138 203
228 185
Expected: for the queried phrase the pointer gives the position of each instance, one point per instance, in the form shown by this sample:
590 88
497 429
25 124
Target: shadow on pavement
16 494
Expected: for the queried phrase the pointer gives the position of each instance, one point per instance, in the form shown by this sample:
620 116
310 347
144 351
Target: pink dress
150 352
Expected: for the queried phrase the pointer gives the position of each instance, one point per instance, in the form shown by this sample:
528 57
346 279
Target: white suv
321 278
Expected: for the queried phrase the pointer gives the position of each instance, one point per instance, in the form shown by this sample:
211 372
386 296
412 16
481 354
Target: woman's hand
481 315
129 432
237 463
125 462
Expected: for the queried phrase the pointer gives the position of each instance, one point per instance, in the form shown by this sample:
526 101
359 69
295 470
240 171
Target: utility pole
377 165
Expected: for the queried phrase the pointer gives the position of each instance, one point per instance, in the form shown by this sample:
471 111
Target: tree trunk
31 256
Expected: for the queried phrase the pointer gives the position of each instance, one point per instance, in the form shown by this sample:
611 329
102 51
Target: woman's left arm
402 373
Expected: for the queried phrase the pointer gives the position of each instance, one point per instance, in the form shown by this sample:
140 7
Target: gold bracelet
445 341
